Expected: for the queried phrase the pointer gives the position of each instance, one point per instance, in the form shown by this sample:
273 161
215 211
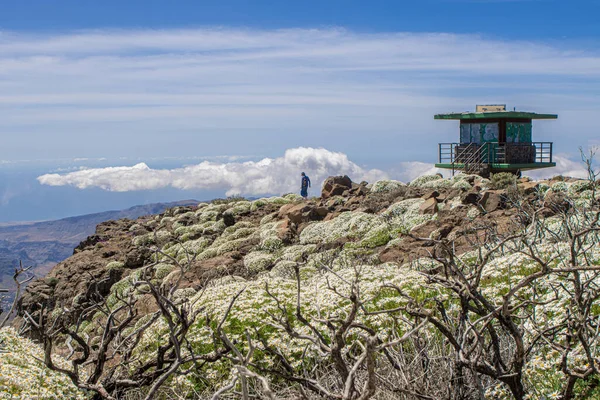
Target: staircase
475 159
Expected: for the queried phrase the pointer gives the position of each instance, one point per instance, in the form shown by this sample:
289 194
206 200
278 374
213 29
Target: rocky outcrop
336 186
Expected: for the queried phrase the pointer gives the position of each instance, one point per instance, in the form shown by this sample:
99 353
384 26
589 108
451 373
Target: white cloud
564 166
151 90
408 170
267 176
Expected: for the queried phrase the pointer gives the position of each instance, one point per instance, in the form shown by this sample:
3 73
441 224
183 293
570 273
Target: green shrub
115 265
503 180
230 199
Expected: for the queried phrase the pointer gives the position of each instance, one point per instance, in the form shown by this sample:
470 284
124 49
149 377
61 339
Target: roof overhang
495 115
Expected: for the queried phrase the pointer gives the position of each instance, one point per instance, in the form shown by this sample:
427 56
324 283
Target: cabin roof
495 115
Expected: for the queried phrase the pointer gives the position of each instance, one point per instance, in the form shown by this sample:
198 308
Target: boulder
333 202
331 215
335 186
470 197
228 219
425 229
492 200
136 257
393 255
432 194
352 201
299 213
359 190
322 211
528 187
430 206
286 231
284 210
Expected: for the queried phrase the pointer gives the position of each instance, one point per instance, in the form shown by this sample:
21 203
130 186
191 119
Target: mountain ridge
43 244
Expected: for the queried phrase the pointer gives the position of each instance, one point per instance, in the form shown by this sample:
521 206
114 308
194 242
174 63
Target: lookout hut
495 140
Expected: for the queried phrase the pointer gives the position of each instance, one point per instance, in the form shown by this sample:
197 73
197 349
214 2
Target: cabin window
479 132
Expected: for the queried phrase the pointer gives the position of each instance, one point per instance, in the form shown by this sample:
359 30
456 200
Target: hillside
44 244
383 290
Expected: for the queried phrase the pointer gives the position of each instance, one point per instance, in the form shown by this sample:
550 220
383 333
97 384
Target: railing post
550 151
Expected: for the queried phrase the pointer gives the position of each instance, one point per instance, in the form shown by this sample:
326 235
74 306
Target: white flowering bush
378 236
191 248
285 269
420 181
438 184
580 186
183 295
269 240
293 197
253 310
240 207
135 227
24 376
161 270
485 183
473 212
560 187
167 221
280 200
158 238
404 215
465 177
351 225
258 261
462 185
297 252
115 266
385 186
256 204
543 188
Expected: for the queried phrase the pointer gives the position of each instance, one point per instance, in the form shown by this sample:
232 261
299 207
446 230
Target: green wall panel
518 132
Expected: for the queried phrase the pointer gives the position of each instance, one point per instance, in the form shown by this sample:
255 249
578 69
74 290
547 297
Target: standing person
305 185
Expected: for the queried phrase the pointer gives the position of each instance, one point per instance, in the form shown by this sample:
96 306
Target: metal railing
495 153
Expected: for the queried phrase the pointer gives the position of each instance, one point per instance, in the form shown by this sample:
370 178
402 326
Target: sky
110 104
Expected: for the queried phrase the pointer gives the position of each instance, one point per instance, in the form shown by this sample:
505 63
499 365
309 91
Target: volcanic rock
492 200
430 206
335 186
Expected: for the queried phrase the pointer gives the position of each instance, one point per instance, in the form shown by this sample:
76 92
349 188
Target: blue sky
516 19
163 100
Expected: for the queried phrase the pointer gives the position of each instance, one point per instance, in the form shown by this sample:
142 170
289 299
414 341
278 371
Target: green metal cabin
495 140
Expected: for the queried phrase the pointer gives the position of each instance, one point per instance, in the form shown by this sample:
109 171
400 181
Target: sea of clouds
267 176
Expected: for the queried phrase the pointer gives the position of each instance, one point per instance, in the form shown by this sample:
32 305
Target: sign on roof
490 108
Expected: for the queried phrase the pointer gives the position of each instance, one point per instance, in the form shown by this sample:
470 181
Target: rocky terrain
44 244
428 206
389 230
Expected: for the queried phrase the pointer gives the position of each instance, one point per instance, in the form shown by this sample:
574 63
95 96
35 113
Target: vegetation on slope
443 288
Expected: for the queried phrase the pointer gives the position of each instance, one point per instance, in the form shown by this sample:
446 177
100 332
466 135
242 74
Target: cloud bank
234 91
267 176
564 166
